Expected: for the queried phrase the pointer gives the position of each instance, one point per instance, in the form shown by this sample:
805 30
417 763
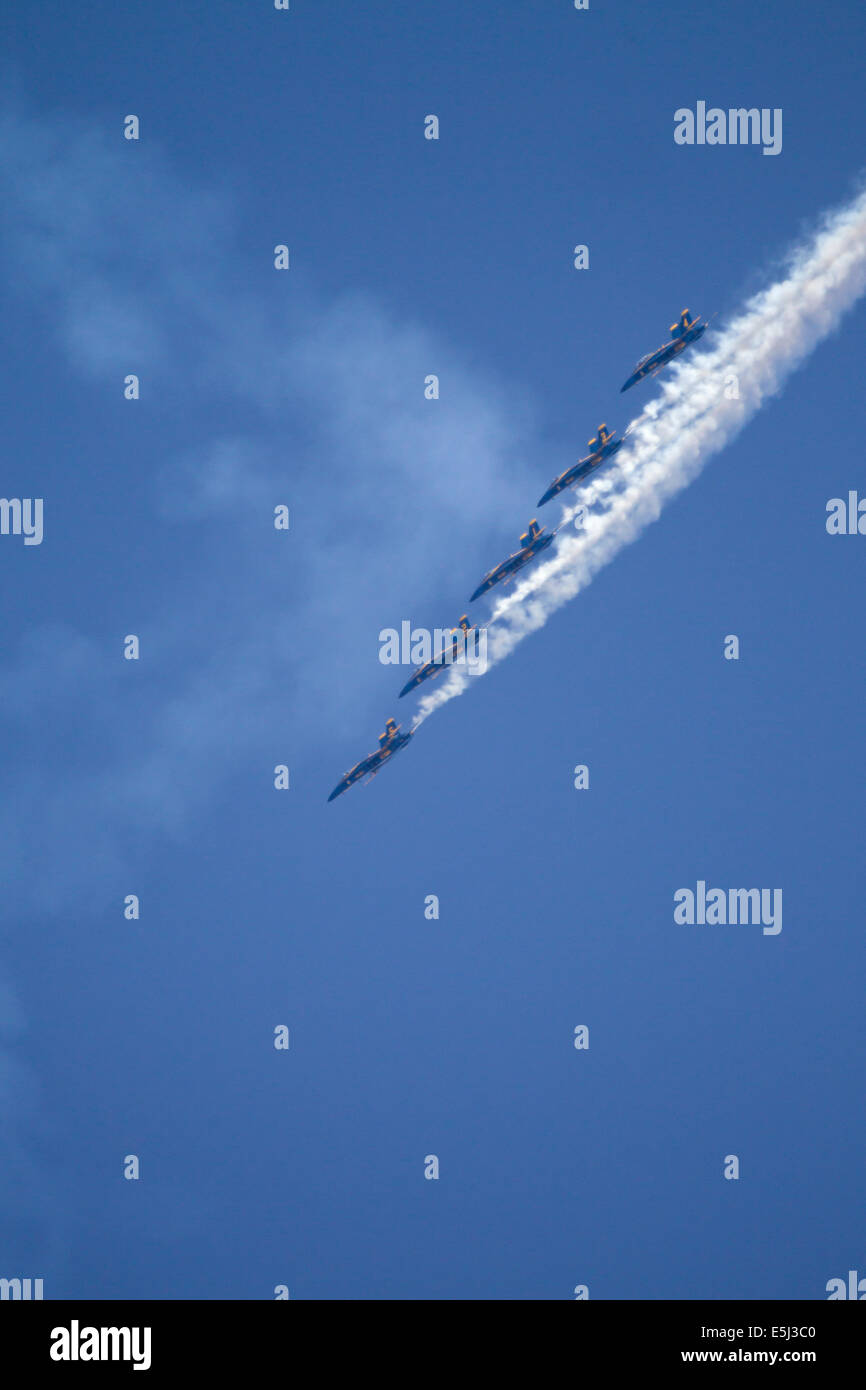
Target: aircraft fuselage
665 354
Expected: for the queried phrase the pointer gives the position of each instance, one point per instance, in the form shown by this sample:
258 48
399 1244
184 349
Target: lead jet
390 742
430 670
686 330
532 542
603 446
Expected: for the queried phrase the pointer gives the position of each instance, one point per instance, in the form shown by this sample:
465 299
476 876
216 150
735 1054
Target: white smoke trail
694 417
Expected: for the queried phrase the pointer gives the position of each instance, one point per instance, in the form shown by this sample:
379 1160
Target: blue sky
411 1037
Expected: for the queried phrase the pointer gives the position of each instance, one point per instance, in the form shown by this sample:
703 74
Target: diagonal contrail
703 404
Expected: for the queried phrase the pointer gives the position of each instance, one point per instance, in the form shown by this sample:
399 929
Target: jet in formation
430 670
685 331
390 742
532 542
603 446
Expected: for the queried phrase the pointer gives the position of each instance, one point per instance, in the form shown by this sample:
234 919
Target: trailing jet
603 446
686 330
430 670
389 743
532 542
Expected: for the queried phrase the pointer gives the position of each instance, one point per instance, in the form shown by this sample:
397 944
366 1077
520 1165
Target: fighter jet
389 743
430 670
532 542
686 330
602 445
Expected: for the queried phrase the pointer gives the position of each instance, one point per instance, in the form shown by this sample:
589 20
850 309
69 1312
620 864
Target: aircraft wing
341 787
689 334
490 579
357 772
579 470
649 364
371 764
518 561
423 673
515 562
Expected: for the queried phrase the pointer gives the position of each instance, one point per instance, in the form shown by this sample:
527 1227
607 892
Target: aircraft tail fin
683 324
